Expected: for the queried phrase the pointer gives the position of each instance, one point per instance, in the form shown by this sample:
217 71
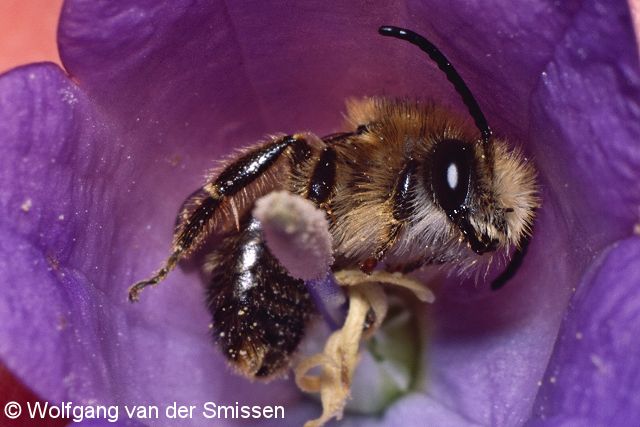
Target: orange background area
28 32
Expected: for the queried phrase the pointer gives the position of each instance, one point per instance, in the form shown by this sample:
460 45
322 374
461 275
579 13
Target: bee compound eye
451 165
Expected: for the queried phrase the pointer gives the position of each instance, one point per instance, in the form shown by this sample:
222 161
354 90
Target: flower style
96 160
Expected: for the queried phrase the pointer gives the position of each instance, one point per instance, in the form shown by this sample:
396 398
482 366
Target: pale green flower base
389 362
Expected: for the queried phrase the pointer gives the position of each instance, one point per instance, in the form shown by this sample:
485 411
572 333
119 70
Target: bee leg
199 210
259 312
407 267
368 265
323 179
512 268
402 208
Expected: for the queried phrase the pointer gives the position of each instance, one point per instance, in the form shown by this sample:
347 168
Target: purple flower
95 162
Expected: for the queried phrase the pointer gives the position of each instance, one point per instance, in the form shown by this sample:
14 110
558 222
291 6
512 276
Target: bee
410 184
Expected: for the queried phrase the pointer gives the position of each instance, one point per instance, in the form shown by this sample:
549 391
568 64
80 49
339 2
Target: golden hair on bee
429 147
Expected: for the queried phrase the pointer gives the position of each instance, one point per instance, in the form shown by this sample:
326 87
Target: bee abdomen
259 311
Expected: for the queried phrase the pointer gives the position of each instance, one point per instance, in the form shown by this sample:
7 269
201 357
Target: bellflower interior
96 159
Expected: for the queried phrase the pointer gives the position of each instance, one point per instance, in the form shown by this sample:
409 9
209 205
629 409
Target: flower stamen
340 356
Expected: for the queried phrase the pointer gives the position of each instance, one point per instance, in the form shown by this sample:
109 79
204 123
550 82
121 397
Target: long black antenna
451 73
512 268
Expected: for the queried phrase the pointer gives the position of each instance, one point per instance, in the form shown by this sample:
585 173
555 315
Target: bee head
489 196
487 191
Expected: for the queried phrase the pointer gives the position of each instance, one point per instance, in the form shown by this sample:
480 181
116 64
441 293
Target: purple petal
585 112
584 145
65 316
158 67
593 375
44 163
